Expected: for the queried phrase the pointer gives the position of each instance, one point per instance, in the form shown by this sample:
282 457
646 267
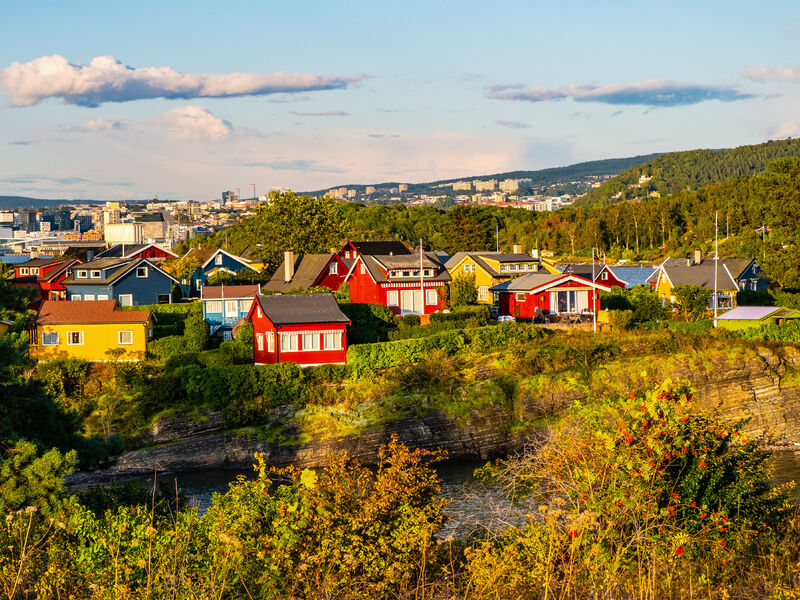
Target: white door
231 307
126 299
411 302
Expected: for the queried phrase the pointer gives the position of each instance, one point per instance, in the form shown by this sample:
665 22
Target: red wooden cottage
540 294
45 276
304 271
307 329
394 280
603 274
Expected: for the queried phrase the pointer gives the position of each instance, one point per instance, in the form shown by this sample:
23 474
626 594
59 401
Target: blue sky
184 100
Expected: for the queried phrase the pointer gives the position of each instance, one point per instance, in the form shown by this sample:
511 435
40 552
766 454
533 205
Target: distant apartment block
485 186
464 186
229 196
351 193
124 233
510 186
370 189
403 187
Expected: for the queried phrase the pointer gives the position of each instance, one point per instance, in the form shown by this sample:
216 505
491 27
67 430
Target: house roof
115 251
201 254
750 313
307 267
299 309
633 275
87 312
376 264
381 247
125 265
702 275
526 282
478 257
62 265
38 262
230 292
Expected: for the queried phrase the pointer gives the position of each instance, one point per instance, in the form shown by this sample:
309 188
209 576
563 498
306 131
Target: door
126 299
411 302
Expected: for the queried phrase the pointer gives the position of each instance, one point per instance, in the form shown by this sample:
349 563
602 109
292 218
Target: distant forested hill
13 202
540 178
676 171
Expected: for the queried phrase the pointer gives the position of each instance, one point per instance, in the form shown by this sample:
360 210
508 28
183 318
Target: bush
196 334
241 347
477 314
620 319
464 290
369 322
691 328
167 347
406 321
787 332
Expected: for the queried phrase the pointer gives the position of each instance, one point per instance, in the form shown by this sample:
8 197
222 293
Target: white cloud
784 130
194 123
762 73
105 79
102 124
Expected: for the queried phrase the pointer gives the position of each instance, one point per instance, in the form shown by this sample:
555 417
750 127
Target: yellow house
492 268
680 272
90 330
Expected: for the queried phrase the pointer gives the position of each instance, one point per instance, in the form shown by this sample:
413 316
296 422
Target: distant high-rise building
229 196
465 186
403 187
26 220
485 186
510 186
370 189
351 193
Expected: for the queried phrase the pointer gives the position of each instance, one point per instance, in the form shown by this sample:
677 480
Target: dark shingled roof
307 267
300 309
526 282
385 247
115 251
409 262
498 256
39 262
89 312
702 275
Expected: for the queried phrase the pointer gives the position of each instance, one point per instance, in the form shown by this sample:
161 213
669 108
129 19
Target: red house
307 329
603 274
151 251
393 280
540 294
304 271
45 276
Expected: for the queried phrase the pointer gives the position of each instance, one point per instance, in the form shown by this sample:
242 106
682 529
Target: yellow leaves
308 479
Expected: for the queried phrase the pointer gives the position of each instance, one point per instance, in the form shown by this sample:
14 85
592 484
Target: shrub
477 314
241 347
787 332
691 301
620 319
406 321
167 347
196 334
367 357
369 322
464 290
691 328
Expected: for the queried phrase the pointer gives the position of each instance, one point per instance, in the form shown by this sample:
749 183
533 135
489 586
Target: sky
184 100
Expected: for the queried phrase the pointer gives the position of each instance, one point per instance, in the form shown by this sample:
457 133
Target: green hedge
365 358
691 327
167 347
179 308
370 322
479 314
788 332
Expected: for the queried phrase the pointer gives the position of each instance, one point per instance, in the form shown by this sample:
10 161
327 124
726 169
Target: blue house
211 261
131 282
226 305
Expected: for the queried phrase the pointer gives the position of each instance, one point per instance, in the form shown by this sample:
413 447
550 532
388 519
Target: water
472 504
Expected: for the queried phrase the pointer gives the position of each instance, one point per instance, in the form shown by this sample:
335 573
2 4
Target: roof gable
87 312
301 309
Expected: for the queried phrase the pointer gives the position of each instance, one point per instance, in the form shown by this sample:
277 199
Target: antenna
254 191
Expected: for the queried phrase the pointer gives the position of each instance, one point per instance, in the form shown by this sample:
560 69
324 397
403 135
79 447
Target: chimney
89 255
698 257
517 249
689 261
288 266
535 253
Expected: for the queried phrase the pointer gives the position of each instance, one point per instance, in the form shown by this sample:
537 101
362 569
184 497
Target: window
230 307
95 274
23 271
258 311
214 306
75 338
163 298
35 271
392 298
80 274
75 297
288 342
503 268
270 342
333 341
50 338
333 268
125 337
428 273
406 273
347 254
126 299
431 297
519 296
102 296
244 305
483 293
260 341
198 283
310 341
88 296
363 270
218 259
604 275
514 267
141 272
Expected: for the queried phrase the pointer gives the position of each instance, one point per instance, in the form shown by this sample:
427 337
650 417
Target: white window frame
75 297
260 341
244 305
23 271
229 304
363 268
392 298
121 296
213 306
311 341
270 342
431 297
34 270
333 268
140 270
218 259
483 293
69 338
332 340
604 276
50 333
120 340
519 296
96 274
102 296
288 342
80 274
89 297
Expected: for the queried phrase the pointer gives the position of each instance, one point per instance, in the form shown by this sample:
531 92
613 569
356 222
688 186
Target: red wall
364 290
332 282
526 309
302 357
612 280
153 253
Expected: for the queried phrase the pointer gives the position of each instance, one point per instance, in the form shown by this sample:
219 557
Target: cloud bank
194 123
511 124
327 113
762 73
654 92
105 79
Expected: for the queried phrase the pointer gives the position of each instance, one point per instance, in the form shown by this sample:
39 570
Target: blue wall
145 290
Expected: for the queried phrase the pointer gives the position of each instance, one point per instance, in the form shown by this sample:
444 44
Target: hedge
479 314
368 357
690 327
369 322
787 332
179 308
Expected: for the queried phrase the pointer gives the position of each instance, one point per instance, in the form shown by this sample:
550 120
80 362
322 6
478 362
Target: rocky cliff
759 384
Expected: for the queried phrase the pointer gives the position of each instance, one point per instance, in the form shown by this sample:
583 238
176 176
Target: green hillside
690 170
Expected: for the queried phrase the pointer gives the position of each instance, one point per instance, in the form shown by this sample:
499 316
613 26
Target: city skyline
185 100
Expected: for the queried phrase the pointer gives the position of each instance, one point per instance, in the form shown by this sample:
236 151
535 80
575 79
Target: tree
303 224
464 290
691 301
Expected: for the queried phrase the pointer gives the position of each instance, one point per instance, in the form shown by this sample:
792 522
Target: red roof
219 292
89 312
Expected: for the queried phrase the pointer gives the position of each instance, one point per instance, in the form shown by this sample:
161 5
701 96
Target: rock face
761 387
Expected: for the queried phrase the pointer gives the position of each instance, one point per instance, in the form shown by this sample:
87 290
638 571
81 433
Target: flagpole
716 259
593 291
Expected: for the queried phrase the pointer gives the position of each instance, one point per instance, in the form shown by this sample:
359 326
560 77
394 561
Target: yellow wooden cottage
493 268
90 330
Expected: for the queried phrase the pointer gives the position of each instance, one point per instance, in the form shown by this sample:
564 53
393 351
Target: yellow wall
97 338
482 278
664 288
